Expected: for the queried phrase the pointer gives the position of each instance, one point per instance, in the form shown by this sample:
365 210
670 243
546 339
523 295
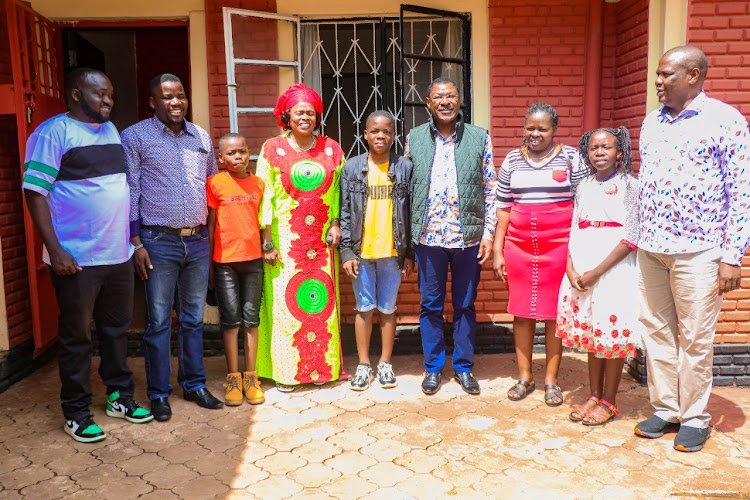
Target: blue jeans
180 272
376 285
432 273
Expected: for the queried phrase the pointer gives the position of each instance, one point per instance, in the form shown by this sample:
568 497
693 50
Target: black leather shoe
468 383
204 398
431 382
160 409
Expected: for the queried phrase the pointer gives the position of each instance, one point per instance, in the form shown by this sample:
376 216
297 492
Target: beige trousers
680 303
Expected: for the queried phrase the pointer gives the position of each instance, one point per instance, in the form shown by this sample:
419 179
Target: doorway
131 57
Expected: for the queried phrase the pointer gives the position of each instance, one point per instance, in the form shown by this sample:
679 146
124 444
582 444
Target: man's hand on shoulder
62 263
729 277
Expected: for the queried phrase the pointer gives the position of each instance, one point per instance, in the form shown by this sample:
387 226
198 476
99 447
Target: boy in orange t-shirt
234 199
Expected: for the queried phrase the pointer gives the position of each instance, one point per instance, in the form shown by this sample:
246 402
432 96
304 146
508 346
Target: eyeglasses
440 97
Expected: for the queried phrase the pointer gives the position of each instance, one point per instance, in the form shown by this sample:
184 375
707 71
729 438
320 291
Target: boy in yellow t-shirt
376 241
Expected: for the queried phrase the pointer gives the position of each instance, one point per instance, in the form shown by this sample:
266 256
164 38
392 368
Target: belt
583 224
179 231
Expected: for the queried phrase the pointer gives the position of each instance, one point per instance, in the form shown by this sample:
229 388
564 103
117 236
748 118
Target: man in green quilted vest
453 222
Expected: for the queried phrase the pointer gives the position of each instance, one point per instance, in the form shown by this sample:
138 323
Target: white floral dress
604 319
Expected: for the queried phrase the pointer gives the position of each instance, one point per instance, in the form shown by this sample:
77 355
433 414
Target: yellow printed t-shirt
377 236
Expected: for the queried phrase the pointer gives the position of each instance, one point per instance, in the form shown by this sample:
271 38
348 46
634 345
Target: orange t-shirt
237 203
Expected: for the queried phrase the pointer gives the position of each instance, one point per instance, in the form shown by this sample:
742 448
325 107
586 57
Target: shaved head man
680 76
694 194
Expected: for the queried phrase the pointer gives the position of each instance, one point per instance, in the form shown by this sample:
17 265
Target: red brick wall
625 67
15 271
609 65
722 30
6 75
537 53
631 69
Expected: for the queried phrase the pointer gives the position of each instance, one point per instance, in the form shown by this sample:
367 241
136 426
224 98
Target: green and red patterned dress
298 339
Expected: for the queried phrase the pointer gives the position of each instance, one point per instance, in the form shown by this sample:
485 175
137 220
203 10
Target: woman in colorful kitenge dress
598 301
299 320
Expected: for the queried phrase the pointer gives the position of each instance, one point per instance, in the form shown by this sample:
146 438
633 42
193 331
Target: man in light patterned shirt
453 224
169 160
694 192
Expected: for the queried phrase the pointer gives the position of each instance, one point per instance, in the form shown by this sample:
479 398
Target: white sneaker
362 377
84 430
386 377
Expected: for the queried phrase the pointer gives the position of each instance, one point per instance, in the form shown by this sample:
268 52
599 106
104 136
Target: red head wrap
296 94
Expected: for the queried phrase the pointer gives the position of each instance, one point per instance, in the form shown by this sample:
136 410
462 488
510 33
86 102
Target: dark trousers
432 275
106 294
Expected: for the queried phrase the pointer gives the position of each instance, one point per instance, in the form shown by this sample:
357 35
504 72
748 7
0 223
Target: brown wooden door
36 57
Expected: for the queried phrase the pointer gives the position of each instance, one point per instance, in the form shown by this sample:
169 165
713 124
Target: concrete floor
330 442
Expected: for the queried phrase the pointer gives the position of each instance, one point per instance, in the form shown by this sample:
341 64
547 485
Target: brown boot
233 394
251 385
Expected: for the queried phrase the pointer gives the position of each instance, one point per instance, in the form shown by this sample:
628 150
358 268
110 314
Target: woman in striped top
535 207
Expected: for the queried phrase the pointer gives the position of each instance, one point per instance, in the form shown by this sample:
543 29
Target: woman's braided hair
538 107
622 141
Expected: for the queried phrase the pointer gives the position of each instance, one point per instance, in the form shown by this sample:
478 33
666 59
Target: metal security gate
435 43
354 65
357 66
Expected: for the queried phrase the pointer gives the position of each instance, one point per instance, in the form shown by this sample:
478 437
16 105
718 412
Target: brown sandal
579 413
608 407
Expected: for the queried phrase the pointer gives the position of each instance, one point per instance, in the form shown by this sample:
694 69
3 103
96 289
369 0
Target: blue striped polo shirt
80 168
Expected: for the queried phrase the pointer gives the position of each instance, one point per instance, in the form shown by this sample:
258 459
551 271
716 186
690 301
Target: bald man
694 194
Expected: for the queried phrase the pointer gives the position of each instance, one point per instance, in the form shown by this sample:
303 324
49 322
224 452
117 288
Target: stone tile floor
330 442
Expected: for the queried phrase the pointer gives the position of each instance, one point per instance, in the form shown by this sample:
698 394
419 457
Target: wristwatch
268 245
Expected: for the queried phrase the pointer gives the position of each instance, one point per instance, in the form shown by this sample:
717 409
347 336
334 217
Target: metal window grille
357 66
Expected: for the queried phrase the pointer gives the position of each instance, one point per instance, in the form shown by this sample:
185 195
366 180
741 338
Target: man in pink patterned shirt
694 193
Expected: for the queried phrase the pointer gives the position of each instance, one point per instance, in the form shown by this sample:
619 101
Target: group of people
609 262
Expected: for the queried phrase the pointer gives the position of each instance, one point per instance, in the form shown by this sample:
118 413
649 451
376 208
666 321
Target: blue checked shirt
167 174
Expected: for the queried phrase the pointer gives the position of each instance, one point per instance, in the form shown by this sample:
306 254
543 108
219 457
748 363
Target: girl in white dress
598 301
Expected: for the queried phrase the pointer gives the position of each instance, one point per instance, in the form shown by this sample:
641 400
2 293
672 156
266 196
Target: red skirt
536 252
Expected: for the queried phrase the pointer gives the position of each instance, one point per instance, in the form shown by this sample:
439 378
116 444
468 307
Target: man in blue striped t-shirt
78 196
